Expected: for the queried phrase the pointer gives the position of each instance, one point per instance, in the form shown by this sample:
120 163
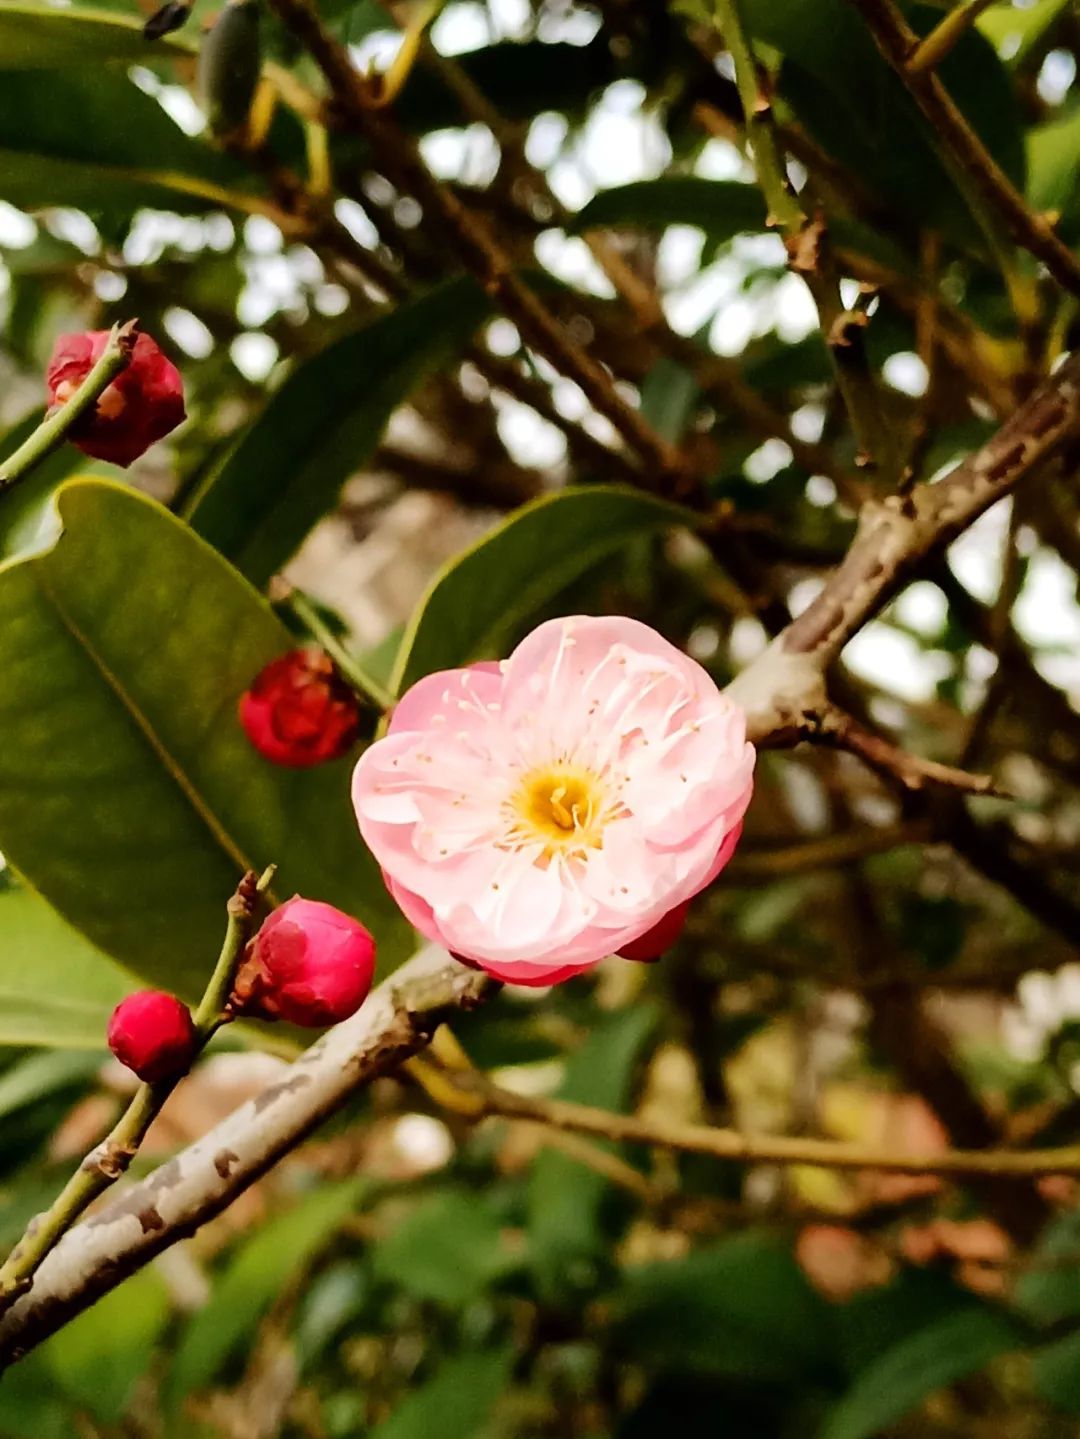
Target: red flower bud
652 944
299 711
141 406
153 1034
309 964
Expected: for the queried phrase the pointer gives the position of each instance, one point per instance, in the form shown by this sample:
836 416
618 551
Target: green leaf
456 1403
741 1308
27 515
45 37
56 989
1050 1291
668 397
90 138
1054 170
910 1371
565 1197
722 208
488 592
40 1075
253 1278
449 1248
848 97
1055 1372
1015 33
324 422
99 1357
129 796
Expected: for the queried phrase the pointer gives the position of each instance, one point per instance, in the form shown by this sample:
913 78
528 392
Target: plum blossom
535 815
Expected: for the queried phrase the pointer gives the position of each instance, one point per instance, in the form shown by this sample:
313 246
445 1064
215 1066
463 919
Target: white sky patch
922 607
906 372
254 355
179 104
767 461
530 439
189 332
1056 76
354 219
895 662
721 160
570 259
16 229
975 558
75 227
461 28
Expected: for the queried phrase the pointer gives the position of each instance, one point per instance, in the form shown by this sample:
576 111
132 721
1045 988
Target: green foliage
905 1374
139 836
486 595
55 987
449 1248
287 470
260 1268
455 1403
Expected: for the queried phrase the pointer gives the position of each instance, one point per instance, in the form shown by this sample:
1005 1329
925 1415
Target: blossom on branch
309 964
141 406
536 815
299 711
152 1034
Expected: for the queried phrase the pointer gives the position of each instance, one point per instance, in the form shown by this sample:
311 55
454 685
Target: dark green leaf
56 989
722 208
325 420
741 1308
449 1248
489 592
129 796
39 37
254 1277
918 1365
455 1404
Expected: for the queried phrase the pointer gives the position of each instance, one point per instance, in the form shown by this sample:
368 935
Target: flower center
565 809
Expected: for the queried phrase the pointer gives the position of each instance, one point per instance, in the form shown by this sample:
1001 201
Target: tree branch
783 691
396 1022
899 44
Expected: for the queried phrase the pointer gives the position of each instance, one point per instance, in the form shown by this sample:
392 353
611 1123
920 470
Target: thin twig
730 1144
931 50
104 1165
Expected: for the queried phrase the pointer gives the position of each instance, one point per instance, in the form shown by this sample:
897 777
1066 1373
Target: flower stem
351 670
54 429
107 1161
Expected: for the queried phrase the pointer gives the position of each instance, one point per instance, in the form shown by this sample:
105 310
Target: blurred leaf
287 471
31 1079
742 1308
30 1405
449 1248
722 208
848 97
456 1403
668 397
56 989
332 1299
129 796
1050 1291
254 1277
1055 1373
1014 33
910 1371
564 1196
486 593
92 139
98 1358
39 37
1054 169
27 515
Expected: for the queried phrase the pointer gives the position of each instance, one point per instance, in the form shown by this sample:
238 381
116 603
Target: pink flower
536 815
152 1033
309 964
141 406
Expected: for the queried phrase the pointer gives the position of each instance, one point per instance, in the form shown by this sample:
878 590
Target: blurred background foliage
893 967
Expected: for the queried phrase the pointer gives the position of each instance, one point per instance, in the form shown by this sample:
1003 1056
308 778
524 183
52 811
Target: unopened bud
153 1034
309 964
299 711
